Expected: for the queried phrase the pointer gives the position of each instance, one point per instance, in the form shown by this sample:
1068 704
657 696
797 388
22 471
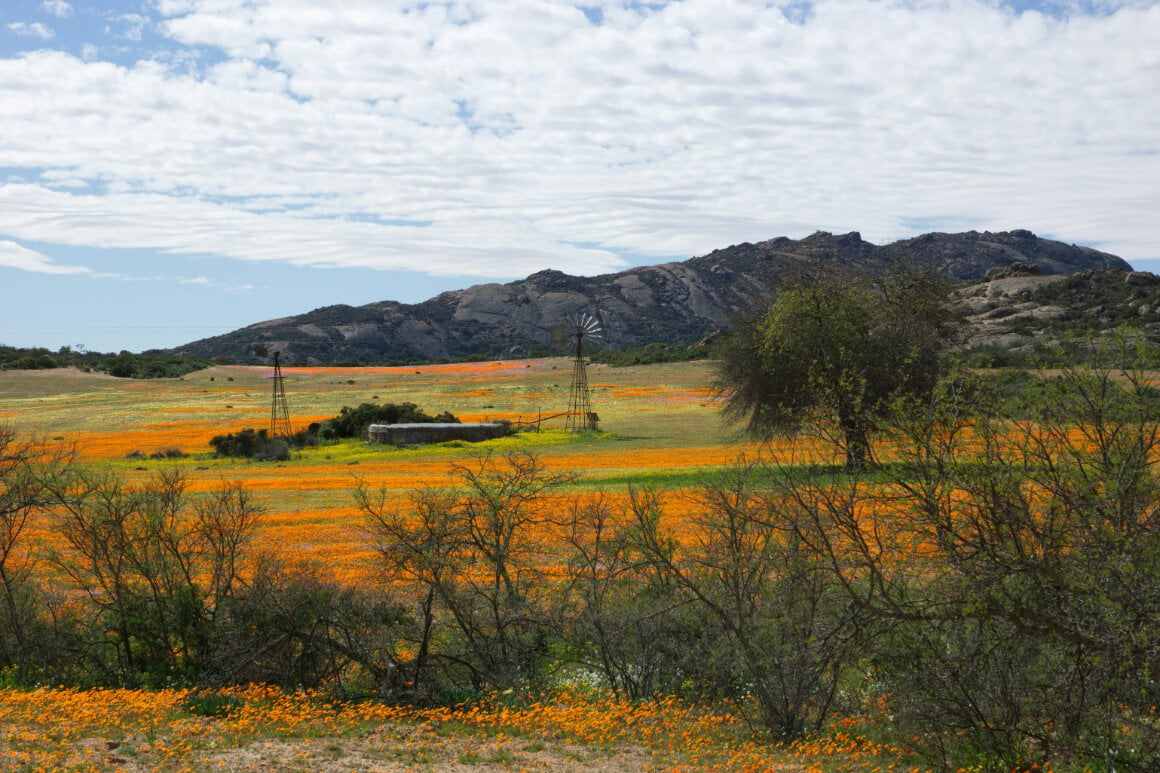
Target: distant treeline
157 365
123 365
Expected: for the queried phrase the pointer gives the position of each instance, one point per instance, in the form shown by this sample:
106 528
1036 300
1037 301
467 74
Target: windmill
579 332
279 410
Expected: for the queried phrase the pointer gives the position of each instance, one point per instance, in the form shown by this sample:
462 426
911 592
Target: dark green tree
836 349
353 422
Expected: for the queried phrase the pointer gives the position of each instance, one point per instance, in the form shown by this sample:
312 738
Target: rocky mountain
673 303
1019 310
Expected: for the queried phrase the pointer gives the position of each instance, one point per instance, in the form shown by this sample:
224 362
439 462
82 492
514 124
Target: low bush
251 444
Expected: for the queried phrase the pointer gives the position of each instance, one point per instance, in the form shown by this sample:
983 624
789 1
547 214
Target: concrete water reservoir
418 434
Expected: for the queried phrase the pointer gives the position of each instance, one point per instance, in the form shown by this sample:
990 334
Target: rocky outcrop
669 303
1021 313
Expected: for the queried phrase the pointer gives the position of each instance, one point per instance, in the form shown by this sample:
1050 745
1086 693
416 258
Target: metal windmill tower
581 418
279 410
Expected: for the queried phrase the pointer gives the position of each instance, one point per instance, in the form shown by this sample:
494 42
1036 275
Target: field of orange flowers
263 728
659 425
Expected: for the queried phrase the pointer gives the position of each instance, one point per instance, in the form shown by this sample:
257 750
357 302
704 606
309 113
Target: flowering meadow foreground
593 577
661 425
264 728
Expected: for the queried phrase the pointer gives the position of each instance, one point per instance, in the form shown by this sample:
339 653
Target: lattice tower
279 410
580 416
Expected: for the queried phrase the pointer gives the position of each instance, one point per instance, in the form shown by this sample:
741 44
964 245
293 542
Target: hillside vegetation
1021 319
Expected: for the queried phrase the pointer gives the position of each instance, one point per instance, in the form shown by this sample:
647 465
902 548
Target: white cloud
58 8
13 255
182 225
31 30
492 138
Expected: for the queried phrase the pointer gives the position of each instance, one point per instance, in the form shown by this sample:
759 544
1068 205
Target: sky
176 169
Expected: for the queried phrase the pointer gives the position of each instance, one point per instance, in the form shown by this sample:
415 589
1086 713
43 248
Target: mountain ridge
673 303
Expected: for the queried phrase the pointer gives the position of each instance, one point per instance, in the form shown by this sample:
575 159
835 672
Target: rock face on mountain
668 303
1019 312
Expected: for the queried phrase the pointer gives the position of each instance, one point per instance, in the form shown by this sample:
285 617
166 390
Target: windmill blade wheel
589 325
585 328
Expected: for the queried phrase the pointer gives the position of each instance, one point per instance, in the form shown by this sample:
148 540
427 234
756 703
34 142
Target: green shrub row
123 365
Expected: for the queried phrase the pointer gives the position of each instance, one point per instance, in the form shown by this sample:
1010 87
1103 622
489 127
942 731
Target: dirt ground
385 748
